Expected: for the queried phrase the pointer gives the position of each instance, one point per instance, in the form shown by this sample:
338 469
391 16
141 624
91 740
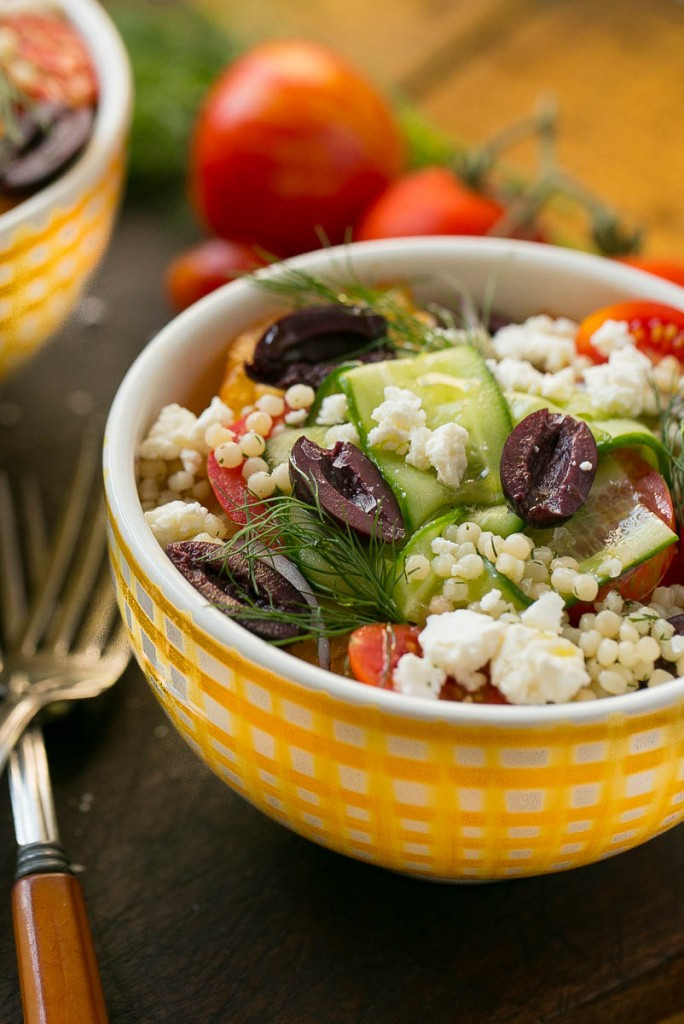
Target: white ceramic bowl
447 790
52 241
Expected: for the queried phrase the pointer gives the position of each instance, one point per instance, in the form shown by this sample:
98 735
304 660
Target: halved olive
316 334
548 465
222 579
52 137
348 486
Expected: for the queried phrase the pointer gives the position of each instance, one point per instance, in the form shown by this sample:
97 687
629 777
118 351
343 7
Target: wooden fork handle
60 982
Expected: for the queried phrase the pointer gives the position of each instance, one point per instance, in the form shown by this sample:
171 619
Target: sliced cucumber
413 596
278 448
612 523
454 386
612 434
522 405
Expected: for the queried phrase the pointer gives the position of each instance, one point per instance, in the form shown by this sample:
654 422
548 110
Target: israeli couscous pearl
254 465
271 404
300 396
417 567
607 651
648 649
586 588
281 478
442 565
252 444
456 591
468 533
510 566
261 484
260 422
181 481
440 604
216 435
660 676
228 455
608 623
469 566
518 545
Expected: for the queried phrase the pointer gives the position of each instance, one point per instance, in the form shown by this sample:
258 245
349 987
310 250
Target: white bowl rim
127 513
111 119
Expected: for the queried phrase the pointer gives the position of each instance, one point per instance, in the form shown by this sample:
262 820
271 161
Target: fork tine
37 545
79 587
12 593
98 623
65 544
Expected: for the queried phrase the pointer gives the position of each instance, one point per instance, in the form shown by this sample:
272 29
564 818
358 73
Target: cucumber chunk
278 448
612 523
454 385
612 434
413 596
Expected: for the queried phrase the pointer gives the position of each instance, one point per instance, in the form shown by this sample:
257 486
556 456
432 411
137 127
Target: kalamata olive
62 133
548 465
314 374
316 334
223 578
348 487
678 622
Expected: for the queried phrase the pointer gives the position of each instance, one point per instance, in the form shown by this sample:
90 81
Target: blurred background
456 71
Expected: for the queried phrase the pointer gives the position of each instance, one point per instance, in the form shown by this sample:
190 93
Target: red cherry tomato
291 142
659 329
44 56
671 270
229 485
205 267
432 201
375 650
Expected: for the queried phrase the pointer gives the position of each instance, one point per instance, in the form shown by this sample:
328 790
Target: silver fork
58 970
41 665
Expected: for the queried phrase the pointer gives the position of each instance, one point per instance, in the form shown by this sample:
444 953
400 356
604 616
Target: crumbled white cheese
612 335
460 643
192 460
341 432
417 456
519 375
396 417
545 613
297 417
216 412
416 677
622 386
547 343
535 667
173 431
586 466
334 409
446 452
180 520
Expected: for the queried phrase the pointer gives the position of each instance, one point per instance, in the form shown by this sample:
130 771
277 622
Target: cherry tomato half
375 650
659 329
431 201
205 267
291 142
671 270
229 485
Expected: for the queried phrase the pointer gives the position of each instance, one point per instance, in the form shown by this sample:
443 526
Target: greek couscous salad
449 506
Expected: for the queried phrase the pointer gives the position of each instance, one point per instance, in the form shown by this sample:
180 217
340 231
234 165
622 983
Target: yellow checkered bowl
51 242
436 789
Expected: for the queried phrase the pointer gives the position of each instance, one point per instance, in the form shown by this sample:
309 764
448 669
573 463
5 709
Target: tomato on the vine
658 328
291 144
671 270
205 267
431 201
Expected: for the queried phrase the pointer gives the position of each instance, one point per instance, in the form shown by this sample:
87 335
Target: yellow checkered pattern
440 799
44 267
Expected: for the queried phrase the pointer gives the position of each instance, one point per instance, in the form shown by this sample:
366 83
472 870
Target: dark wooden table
206 912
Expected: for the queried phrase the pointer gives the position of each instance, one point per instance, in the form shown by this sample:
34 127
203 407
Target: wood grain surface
615 68
205 912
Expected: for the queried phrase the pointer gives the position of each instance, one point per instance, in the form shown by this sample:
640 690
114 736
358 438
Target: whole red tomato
671 270
205 267
432 201
291 143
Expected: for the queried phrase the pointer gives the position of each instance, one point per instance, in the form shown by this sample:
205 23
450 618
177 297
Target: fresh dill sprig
670 410
410 331
352 578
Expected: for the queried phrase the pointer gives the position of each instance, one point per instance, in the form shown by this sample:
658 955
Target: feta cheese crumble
180 520
611 336
446 452
536 667
334 409
622 386
460 643
547 343
397 416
